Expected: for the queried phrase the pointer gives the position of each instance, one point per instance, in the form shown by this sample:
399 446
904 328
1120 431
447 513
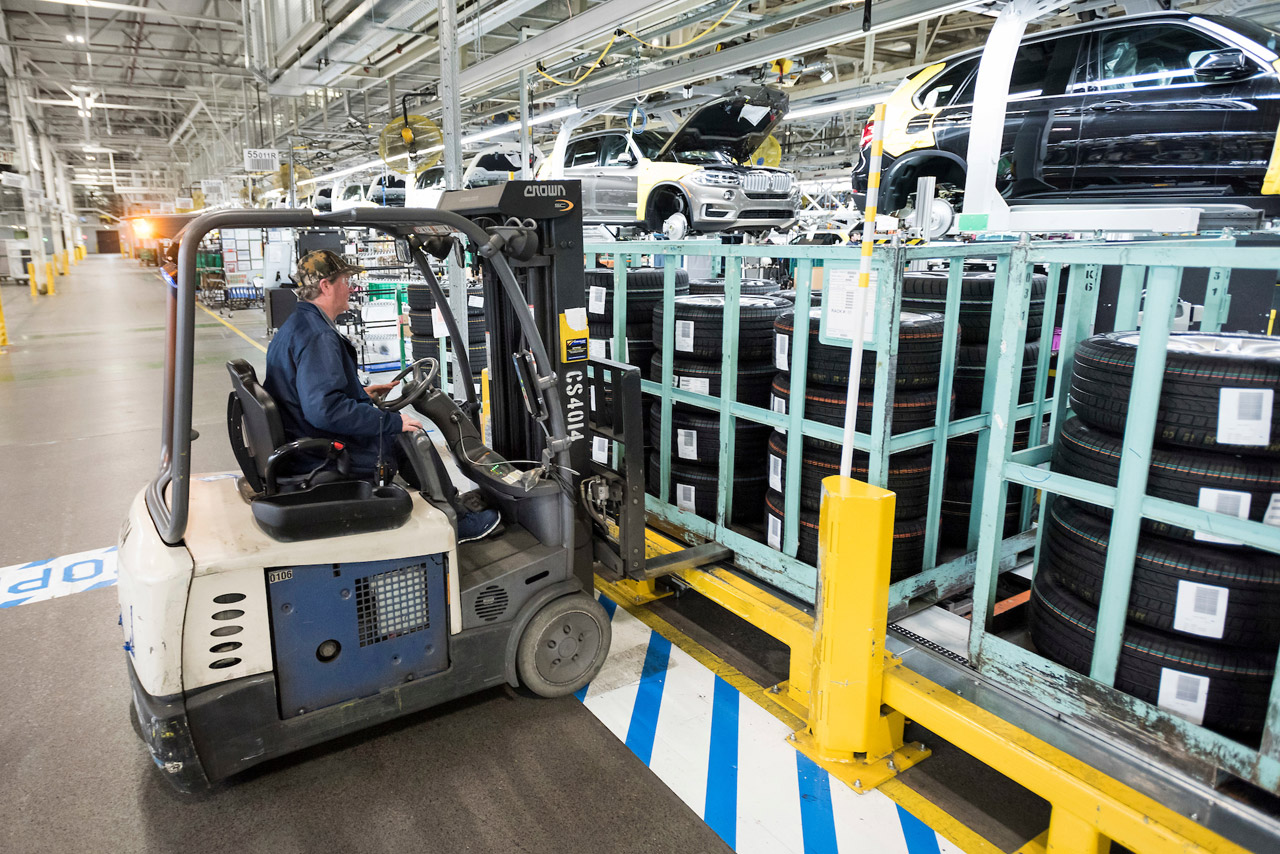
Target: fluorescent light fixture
834 107
75 39
512 127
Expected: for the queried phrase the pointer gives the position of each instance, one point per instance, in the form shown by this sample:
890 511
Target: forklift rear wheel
564 646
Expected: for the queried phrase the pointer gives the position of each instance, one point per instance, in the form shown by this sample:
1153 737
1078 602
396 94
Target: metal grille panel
491 602
392 604
756 182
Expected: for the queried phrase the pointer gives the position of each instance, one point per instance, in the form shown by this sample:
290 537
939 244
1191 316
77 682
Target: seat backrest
254 425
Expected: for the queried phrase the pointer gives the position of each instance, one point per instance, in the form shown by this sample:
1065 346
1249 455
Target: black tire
750 287
704 335
971 376
912 410
1176 475
644 291
419 298
754 379
1063 629
928 292
974 285
563 646
909 474
908 538
704 481
1075 552
423 348
420 325
919 351
637 330
1193 381
957 508
962 451
695 437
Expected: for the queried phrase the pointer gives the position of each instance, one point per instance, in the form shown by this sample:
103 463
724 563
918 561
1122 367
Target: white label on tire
600 450
1272 516
595 299
685 494
478 302
782 352
1201 609
1226 501
596 348
593 397
775 472
1184 694
1244 416
438 329
775 531
684 336
687 444
778 404
698 385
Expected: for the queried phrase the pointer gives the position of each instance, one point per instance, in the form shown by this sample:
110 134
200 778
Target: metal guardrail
1155 266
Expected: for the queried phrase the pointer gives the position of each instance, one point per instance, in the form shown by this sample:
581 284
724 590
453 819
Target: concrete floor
80 390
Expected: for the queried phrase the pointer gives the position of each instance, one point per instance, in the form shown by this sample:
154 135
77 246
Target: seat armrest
334 452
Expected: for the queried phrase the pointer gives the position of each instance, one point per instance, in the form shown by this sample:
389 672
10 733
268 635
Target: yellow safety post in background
4 332
31 278
850 733
48 271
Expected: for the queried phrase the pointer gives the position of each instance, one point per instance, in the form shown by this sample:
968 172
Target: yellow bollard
849 731
48 269
31 277
4 332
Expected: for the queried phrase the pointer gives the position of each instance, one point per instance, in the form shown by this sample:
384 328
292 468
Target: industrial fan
251 195
410 144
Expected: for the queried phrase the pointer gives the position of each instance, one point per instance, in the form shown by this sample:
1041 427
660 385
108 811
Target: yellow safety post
48 271
4 332
31 278
850 733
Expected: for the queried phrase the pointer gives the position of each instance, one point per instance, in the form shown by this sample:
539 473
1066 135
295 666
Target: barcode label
478 302
698 385
685 494
1272 516
600 450
1184 694
778 404
596 348
1225 501
438 329
593 397
261 159
1201 609
684 336
595 300
687 444
775 532
781 352
775 472
1244 416
847 307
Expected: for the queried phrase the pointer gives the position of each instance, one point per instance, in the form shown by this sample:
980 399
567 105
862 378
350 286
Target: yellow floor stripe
930 813
230 326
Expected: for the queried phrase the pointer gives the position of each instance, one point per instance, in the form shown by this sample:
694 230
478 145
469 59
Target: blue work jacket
311 374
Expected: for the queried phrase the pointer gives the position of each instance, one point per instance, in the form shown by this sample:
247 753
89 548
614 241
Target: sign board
214 191
12 179
8 157
184 203
847 308
261 159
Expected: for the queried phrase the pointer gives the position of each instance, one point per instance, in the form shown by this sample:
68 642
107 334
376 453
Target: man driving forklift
312 375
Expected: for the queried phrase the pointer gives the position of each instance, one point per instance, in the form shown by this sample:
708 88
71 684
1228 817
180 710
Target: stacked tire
422 340
749 287
977 290
644 292
1203 618
695 433
915 407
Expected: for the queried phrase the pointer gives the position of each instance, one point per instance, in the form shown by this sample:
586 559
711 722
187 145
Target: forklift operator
312 375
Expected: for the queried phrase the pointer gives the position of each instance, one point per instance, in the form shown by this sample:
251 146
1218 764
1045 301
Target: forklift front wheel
564 646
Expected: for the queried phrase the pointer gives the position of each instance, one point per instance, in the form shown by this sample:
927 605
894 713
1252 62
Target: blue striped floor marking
644 715
721 808
816 815
920 838
610 607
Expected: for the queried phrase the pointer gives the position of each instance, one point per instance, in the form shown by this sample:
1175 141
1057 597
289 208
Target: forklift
264 613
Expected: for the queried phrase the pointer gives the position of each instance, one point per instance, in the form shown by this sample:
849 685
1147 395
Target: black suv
1167 107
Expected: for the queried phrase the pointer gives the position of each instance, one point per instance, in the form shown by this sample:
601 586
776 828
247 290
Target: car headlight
716 179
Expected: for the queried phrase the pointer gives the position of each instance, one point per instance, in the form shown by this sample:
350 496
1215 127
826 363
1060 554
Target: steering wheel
424 373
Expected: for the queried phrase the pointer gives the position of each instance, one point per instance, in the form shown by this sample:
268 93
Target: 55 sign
261 159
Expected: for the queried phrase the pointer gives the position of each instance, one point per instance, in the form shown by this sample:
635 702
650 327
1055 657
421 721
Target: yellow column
4 332
48 270
31 278
1069 834
849 732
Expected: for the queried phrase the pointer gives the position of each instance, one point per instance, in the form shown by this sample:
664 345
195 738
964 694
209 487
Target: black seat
323 503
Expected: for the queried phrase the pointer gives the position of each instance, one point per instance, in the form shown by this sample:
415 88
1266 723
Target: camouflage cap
323 264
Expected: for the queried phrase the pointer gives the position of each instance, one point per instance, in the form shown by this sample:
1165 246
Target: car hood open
734 124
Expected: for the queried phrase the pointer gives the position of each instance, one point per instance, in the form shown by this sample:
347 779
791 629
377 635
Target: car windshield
1263 35
698 155
431 178
650 142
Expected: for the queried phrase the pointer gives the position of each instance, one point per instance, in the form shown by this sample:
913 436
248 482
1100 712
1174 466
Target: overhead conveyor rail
1042 723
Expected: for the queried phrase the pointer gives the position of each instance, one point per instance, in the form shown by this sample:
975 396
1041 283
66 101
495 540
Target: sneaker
477 526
